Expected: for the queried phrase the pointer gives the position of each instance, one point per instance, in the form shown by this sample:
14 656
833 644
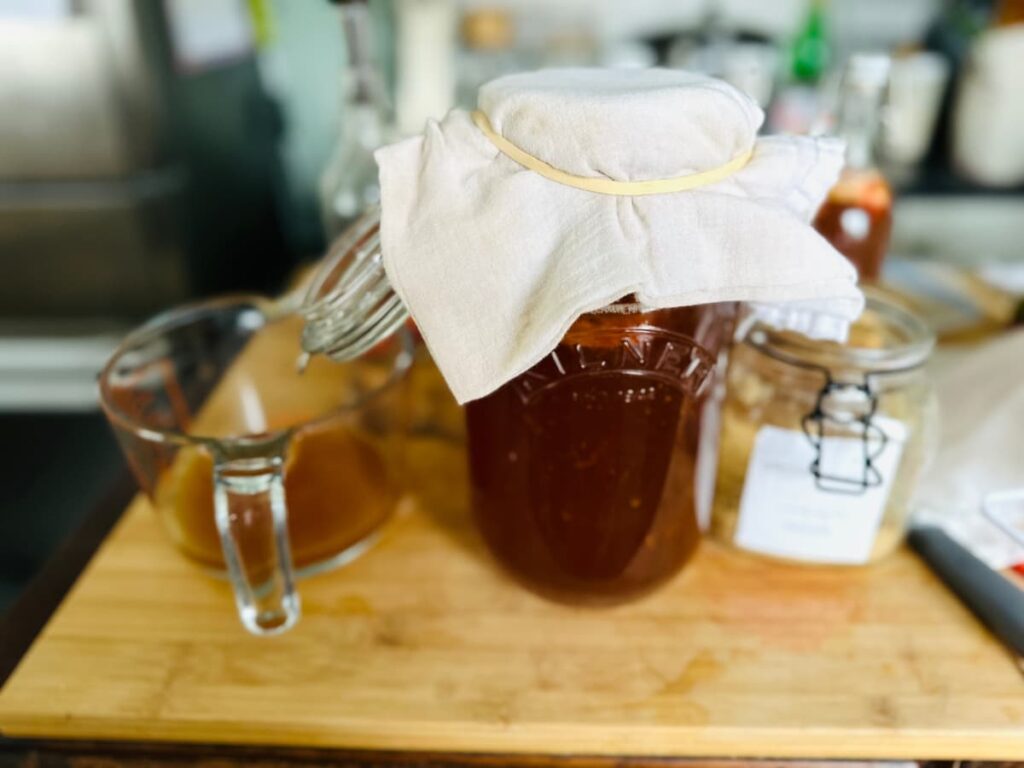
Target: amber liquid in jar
857 219
583 468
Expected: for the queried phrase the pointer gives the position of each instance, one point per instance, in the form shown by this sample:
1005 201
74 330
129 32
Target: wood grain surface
423 644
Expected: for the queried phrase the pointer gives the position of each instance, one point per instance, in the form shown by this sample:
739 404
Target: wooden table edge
87 753
627 744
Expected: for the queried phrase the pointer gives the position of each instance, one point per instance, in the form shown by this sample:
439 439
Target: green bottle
810 51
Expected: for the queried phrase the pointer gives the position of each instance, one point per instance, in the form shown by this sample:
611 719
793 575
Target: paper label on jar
786 511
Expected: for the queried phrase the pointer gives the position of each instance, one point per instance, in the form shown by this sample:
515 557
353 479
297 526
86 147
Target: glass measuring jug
254 466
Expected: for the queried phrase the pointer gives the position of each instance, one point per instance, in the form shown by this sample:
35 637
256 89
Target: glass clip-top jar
822 443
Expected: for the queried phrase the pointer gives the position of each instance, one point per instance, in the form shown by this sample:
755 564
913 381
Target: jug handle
249 507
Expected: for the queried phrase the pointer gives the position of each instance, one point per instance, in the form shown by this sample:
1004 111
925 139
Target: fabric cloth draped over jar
495 261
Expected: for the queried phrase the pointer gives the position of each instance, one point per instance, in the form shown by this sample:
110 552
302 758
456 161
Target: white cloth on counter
495 262
981 449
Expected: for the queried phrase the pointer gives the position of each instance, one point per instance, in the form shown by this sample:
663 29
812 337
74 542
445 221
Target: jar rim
907 341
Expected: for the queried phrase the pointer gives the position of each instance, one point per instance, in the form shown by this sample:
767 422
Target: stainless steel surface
52 366
78 94
100 248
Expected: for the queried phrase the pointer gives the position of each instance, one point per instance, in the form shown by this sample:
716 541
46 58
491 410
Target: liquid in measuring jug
340 466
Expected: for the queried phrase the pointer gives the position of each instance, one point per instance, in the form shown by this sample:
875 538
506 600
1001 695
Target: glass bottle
811 51
1009 13
857 215
349 184
586 468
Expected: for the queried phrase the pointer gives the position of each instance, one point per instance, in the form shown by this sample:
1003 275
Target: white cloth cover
495 262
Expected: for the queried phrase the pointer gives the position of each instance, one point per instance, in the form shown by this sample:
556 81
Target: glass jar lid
886 338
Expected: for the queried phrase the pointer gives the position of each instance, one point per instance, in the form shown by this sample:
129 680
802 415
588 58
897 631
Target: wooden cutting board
424 645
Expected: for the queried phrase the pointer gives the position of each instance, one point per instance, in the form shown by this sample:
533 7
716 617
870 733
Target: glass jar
822 443
239 451
584 468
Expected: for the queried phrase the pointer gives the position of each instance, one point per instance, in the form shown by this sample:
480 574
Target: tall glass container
584 468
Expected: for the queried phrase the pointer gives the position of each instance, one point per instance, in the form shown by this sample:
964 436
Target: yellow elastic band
608 186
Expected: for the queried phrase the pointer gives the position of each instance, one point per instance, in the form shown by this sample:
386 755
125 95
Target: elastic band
608 186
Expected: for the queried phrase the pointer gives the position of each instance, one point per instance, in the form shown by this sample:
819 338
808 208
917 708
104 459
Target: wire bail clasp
845 407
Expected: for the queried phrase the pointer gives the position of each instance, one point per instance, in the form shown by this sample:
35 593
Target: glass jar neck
363 82
860 112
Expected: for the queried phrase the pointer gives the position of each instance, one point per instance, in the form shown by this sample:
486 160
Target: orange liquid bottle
857 215
857 219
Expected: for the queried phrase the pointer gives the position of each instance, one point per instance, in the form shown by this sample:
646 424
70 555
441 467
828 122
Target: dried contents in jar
583 467
822 443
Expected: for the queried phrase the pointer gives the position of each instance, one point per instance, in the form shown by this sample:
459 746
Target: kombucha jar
583 468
